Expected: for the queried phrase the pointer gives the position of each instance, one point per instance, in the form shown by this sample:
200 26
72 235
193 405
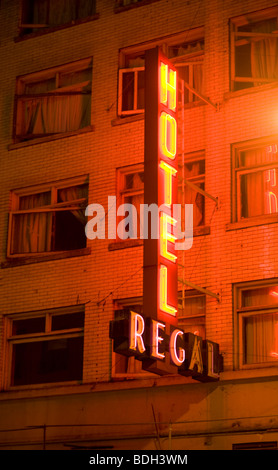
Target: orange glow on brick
163 292
168 80
168 135
166 237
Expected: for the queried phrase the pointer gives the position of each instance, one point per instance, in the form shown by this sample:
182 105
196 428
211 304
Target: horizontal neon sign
147 340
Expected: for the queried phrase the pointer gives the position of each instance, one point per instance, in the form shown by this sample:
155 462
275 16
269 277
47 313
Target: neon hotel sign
155 338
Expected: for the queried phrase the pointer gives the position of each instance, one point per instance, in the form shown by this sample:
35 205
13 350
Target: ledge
130 243
252 222
49 138
26 260
24 37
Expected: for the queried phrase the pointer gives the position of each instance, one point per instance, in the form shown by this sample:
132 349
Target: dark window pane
67 321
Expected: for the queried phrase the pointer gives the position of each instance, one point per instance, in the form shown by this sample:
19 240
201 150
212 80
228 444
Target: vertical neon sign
160 188
167 164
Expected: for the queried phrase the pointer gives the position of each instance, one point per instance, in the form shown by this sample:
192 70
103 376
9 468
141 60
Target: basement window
186 51
38 15
46 347
254 49
53 101
48 218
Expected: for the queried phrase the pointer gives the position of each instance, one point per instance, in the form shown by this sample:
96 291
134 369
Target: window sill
251 90
252 222
127 119
119 9
23 36
40 140
26 260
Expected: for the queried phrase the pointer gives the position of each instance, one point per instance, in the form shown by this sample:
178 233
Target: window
130 190
48 218
53 101
257 324
254 49
192 312
39 15
187 53
255 178
46 346
193 172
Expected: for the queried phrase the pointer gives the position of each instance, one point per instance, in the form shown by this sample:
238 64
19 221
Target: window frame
53 188
13 339
43 75
240 313
238 171
198 179
236 22
189 36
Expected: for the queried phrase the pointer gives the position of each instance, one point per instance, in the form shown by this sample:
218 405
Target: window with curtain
49 218
254 49
130 190
255 179
46 346
38 15
193 172
257 311
53 101
185 53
